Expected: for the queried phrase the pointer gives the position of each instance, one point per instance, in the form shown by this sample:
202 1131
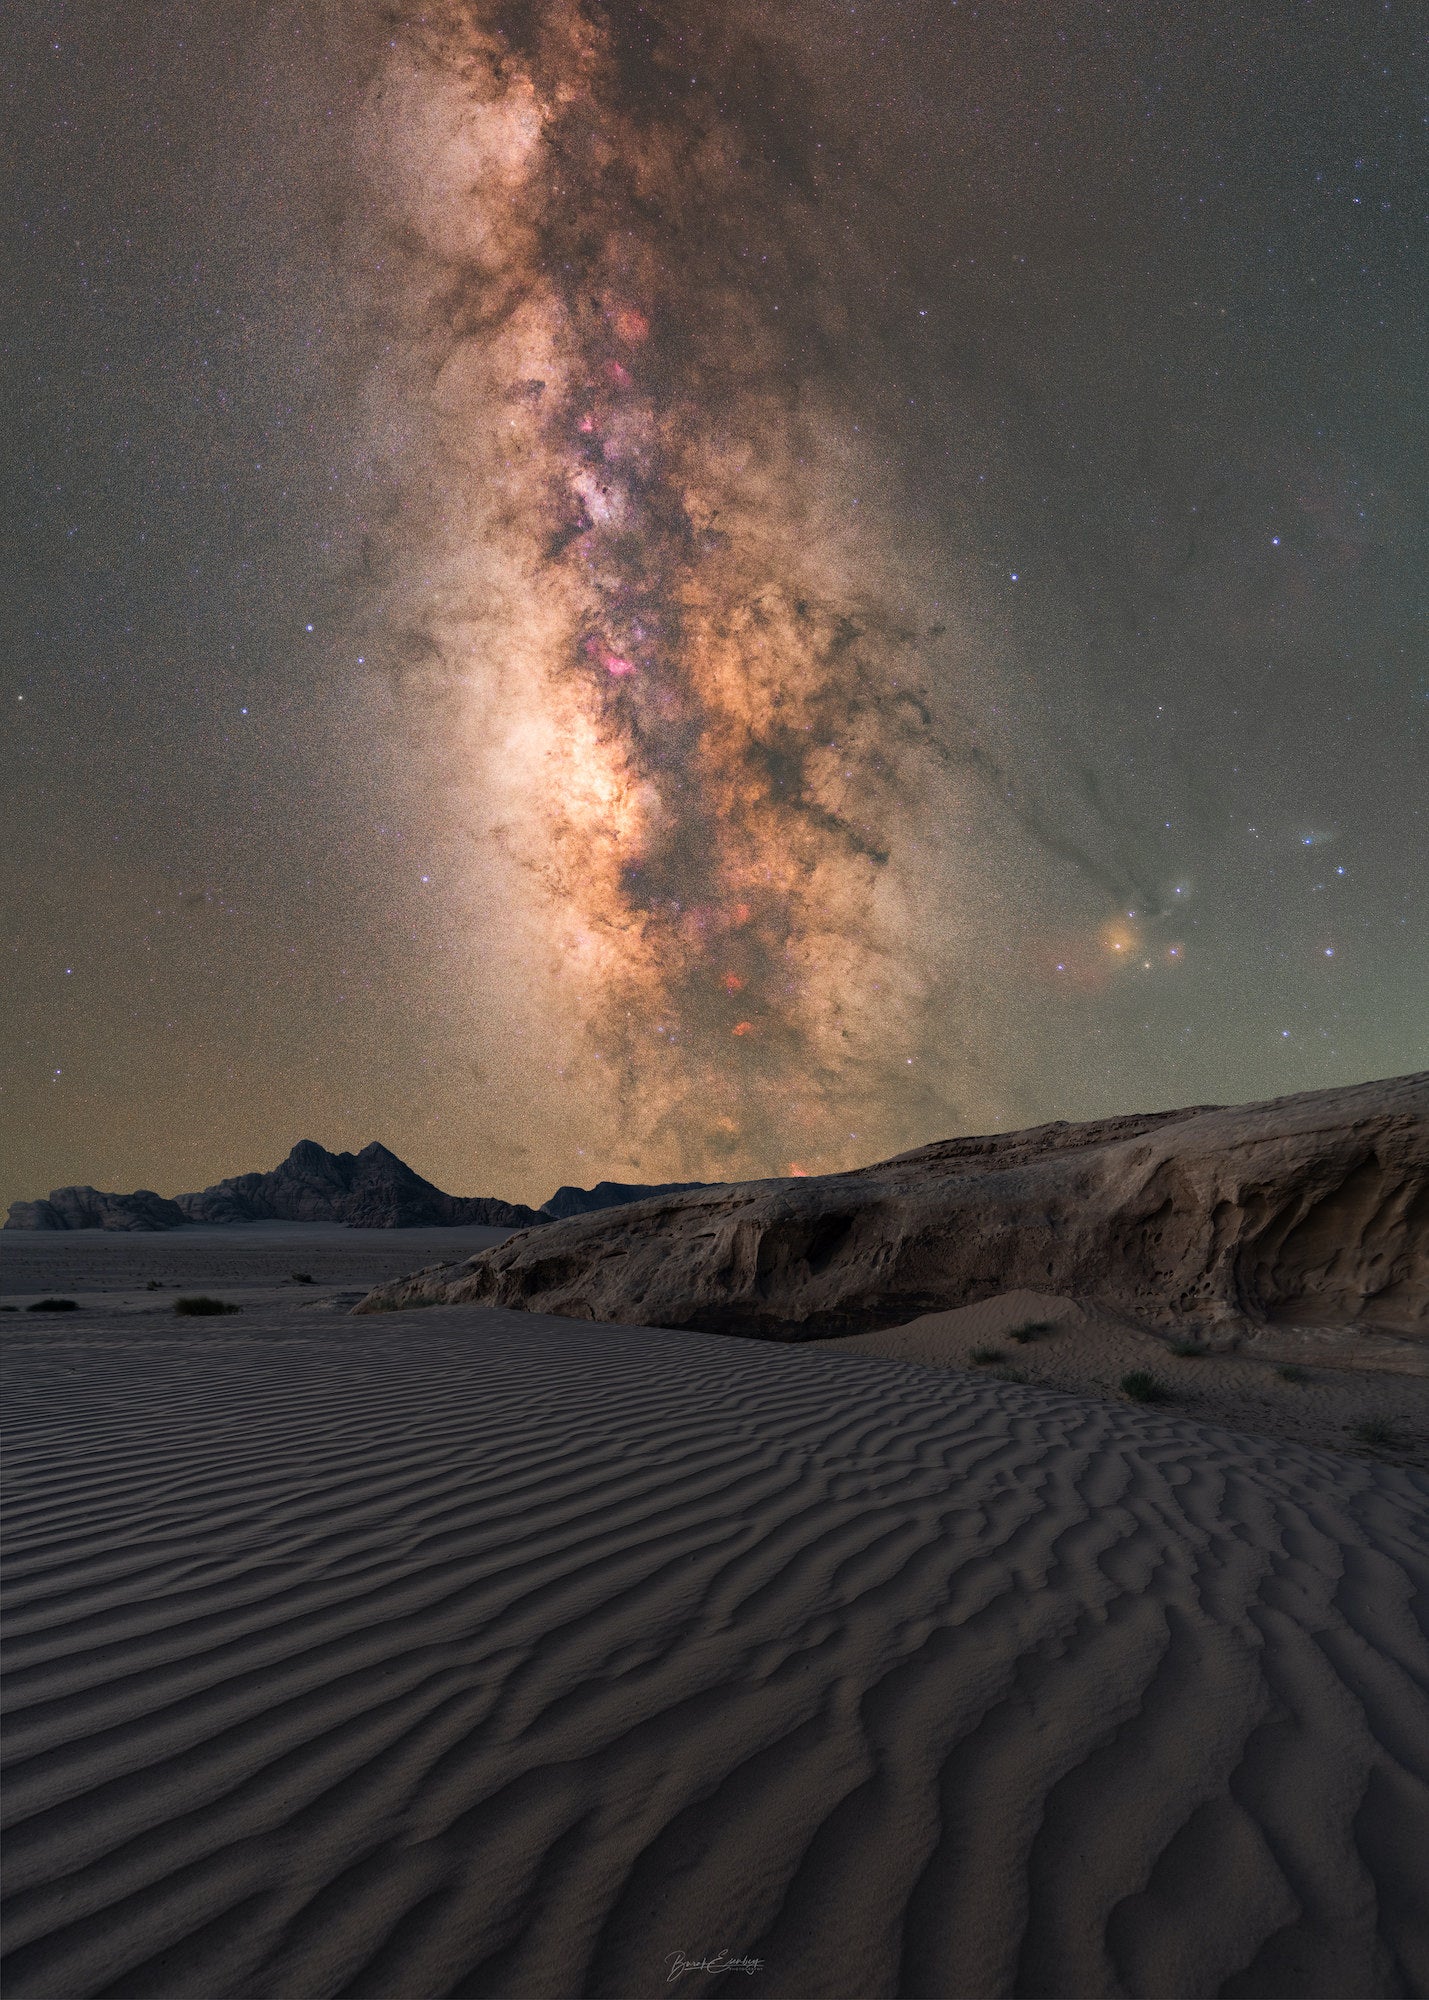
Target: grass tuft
1291 1371
1144 1388
54 1306
154 1285
1188 1350
986 1356
300 1277
1378 1433
1031 1330
198 1306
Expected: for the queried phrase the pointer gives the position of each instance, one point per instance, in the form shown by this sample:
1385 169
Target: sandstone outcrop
1312 1209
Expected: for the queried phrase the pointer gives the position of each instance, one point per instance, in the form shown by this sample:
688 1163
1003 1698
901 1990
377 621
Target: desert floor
1335 1389
465 1652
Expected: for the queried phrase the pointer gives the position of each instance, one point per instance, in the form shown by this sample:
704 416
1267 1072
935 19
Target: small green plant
1378 1433
1144 1388
300 1277
201 1306
54 1306
1011 1375
985 1357
1290 1372
1188 1350
1031 1330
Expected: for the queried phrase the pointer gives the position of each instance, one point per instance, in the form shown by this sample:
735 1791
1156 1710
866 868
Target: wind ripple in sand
487 1654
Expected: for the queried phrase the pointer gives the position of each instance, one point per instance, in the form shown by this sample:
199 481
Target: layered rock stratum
1311 1209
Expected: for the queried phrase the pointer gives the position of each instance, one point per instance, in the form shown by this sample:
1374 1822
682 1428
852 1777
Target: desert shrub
1144 1388
54 1306
154 1285
1031 1330
1377 1432
1291 1373
1187 1350
986 1356
1011 1375
202 1306
300 1277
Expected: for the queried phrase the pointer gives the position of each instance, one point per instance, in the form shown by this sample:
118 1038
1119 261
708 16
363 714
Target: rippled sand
465 1652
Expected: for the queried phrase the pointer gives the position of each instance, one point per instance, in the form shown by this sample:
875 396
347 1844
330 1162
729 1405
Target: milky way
696 588
695 681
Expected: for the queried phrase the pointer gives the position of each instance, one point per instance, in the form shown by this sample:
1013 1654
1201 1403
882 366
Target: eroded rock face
1312 1208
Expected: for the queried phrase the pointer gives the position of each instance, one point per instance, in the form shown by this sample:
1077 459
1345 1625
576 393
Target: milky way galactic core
696 678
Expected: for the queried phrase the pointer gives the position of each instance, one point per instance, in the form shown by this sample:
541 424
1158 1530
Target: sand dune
466 1652
1318 1386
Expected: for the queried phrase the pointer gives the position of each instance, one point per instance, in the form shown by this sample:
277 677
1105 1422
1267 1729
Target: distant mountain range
607 1194
372 1189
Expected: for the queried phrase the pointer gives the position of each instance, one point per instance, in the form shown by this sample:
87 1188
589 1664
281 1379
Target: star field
684 591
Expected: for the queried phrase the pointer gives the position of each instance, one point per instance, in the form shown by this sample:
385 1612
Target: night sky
704 589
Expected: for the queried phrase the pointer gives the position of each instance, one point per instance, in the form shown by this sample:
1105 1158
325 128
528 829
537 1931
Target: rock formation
608 1194
1311 1209
88 1208
372 1189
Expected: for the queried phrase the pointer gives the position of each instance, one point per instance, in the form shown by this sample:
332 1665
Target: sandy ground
1338 1383
465 1652
243 1262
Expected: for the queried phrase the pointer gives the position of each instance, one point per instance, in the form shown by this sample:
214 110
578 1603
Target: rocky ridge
90 1208
567 1201
1311 1209
372 1189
